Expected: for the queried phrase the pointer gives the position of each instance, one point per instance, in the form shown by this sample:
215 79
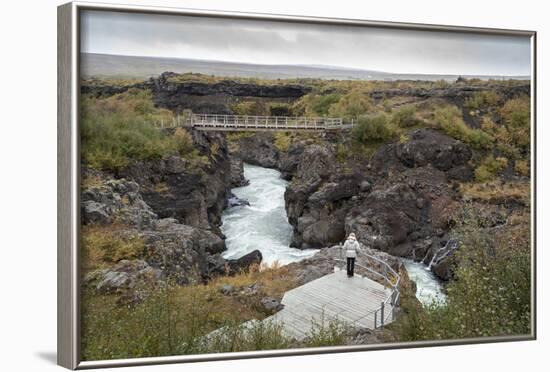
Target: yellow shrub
522 167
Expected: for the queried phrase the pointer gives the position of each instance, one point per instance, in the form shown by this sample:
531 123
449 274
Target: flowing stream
262 225
428 287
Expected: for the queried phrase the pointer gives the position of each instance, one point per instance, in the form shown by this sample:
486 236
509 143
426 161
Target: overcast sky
398 51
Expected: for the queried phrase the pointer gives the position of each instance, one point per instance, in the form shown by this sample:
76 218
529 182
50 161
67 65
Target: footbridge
214 122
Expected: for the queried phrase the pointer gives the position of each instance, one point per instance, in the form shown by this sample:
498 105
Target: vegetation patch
405 117
497 192
101 246
449 119
490 293
489 168
484 99
373 129
120 128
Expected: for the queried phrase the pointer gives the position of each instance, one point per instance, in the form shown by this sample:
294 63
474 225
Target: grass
104 245
405 117
483 99
496 191
449 119
119 129
489 168
174 320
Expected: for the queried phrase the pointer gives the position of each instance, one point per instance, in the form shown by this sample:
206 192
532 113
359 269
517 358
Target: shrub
249 108
315 104
405 117
326 333
522 167
352 105
183 141
490 294
449 118
119 128
282 141
489 167
371 129
516 114
482 99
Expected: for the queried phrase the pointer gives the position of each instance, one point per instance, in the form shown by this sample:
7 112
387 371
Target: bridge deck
355 301
265 123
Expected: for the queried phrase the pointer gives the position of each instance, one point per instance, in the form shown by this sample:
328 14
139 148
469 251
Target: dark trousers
350 265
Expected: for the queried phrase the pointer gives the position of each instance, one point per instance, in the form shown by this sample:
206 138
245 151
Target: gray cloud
249 41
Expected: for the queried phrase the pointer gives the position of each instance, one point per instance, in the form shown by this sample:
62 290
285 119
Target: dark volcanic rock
234 201
428 146
288 161
243 263
271 305
258 150
237 173
112 200
175 188
123 276
398 215
215 98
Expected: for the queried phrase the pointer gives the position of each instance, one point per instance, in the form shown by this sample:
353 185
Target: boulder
234 201
123 276
115 200
427 146
271 305
243 263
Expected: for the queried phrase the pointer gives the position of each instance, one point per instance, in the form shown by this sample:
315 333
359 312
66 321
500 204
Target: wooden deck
355 301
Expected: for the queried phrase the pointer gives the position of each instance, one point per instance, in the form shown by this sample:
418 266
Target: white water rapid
262 225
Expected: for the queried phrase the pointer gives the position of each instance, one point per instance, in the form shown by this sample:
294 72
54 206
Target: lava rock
271 305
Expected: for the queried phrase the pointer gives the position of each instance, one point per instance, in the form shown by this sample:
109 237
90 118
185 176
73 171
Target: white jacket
351 247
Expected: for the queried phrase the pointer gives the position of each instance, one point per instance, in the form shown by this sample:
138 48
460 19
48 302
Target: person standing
351 247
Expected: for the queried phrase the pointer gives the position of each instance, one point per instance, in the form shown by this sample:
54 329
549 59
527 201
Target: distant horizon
271 43
317 66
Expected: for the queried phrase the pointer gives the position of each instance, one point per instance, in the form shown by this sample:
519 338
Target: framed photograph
236 185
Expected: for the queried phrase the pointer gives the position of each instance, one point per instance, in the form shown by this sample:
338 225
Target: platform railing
390 278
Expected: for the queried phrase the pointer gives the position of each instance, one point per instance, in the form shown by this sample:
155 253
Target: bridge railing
389 277
216 121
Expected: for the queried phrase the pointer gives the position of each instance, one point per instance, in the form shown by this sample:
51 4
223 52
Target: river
262 225
428 287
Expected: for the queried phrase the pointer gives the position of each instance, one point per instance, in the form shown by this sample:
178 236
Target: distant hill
118 66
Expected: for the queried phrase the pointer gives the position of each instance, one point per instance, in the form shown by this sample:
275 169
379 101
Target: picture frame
69 179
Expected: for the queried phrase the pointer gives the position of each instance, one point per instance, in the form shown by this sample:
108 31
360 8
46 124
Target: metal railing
254 122
390 278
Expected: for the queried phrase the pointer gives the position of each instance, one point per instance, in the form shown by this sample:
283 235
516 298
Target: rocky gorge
154 224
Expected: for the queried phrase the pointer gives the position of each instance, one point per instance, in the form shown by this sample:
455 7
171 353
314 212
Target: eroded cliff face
402 201
169 210
193 194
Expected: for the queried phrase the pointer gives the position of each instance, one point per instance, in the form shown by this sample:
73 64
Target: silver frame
68 183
